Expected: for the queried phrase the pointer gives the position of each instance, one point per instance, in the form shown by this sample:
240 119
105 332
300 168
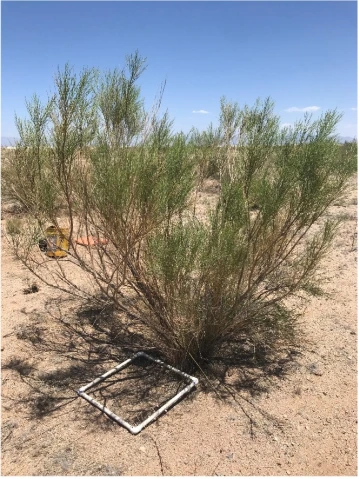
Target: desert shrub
107 168
349 148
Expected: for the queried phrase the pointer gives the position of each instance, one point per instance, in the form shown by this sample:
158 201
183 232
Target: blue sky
301 54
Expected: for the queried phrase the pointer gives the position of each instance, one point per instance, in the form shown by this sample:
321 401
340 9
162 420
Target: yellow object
57 240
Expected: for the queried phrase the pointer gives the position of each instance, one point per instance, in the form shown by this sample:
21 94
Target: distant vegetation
94 160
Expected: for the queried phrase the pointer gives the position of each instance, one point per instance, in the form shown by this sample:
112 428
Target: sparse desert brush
191 285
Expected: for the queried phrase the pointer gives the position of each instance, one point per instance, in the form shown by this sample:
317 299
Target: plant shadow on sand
94 339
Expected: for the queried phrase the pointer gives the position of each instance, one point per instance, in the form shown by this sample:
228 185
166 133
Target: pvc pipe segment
156 414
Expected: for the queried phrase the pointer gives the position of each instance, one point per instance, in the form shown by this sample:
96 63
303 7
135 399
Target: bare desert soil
297 416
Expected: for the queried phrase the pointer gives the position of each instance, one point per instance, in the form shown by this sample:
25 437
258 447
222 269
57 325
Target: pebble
231 418
316 369
142 448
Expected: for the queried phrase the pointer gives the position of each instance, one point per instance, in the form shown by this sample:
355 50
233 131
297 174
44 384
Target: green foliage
93 157
119 102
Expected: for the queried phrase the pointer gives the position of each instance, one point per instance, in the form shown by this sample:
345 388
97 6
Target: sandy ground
295 417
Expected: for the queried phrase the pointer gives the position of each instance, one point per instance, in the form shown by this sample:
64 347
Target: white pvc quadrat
136 429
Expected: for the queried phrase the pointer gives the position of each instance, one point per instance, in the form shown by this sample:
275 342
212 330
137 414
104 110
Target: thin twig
159 455
213 473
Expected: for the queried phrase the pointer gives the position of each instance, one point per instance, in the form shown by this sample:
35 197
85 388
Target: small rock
231 418
230 456
315 369
142 448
